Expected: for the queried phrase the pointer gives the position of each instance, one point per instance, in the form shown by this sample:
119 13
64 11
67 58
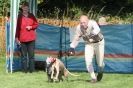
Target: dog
49 63
56 69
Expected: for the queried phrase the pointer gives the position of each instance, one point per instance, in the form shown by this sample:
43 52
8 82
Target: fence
118 48
65 23
2 37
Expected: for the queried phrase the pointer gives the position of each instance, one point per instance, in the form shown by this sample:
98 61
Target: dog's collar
53 60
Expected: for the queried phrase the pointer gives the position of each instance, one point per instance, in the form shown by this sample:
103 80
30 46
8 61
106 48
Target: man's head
25 7
84 22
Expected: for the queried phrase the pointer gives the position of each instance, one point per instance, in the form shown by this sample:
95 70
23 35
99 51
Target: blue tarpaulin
118 48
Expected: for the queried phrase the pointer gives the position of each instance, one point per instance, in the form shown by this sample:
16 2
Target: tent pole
13 22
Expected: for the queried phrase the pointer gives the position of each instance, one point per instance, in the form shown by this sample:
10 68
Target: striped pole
33 6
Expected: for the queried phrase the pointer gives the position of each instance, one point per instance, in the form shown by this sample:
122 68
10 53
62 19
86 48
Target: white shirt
93 28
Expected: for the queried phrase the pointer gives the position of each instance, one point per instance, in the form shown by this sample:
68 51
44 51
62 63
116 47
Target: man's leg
24 57
99 50
89 52
31 47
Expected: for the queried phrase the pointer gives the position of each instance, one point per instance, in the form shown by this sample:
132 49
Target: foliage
72 9
2 42
4 7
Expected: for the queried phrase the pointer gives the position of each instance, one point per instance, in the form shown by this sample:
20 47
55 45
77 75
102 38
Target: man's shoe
99 76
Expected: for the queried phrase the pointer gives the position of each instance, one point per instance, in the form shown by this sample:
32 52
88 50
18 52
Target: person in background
26 36
94 43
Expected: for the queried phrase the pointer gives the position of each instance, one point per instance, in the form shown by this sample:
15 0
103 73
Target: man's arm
18 30
96 28
95 35
75 42
35 23
76 38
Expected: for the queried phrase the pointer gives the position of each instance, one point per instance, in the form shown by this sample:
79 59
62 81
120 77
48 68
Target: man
26 36
94 43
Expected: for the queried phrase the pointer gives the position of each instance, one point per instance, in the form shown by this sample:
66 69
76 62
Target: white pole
13 22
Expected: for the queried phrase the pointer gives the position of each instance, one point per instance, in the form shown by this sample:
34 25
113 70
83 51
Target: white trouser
90 49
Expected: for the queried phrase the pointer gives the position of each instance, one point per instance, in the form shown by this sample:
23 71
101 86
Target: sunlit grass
38 79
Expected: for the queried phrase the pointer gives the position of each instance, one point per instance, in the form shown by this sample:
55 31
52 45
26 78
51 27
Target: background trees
74 8
4 7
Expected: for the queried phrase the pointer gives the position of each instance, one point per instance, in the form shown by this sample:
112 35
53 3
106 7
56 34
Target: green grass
38 79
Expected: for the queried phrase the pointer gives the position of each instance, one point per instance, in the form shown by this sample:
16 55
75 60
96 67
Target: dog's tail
68 72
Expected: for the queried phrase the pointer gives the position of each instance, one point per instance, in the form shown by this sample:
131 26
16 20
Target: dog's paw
56 80
52 77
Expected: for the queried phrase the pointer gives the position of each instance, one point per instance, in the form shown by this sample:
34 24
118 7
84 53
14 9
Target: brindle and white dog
56 69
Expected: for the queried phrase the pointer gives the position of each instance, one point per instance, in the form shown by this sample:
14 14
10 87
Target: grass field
38 79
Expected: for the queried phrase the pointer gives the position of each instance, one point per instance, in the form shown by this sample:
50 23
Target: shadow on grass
75 80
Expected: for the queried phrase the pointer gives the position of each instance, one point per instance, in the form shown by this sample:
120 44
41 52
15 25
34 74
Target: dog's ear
48 60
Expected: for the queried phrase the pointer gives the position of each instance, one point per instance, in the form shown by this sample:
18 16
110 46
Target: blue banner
52 40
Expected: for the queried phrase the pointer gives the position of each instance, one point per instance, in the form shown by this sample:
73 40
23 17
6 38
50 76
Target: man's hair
8 14
25 4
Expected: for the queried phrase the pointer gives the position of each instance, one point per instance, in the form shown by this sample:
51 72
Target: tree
4 7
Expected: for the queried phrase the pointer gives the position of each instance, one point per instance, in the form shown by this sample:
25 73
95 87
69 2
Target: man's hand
17 41
29 27
71 52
